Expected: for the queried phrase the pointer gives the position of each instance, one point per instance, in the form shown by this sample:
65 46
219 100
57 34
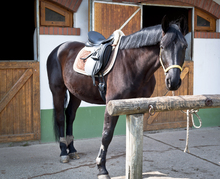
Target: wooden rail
134 110
160 104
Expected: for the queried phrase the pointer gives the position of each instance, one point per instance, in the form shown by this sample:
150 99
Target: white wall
206 66
217 1
49 42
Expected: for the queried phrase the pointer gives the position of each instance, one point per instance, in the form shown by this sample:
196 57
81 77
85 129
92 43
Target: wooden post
134 146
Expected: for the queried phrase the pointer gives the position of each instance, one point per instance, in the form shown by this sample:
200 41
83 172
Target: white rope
188 112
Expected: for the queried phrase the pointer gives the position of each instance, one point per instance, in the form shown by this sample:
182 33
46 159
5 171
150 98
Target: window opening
55 15
204 22
51 15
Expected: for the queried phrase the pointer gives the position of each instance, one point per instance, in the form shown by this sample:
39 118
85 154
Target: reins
170 67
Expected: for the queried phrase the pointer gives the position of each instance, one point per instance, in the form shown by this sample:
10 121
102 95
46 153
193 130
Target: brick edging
209 6
59 31
207 35
71 5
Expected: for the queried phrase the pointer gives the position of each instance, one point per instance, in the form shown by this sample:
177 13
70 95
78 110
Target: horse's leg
108 131
58 100
70 117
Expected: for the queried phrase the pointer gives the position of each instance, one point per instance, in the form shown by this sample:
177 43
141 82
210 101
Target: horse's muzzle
173 80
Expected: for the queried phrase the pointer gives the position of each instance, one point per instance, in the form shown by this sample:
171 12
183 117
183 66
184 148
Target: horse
139 56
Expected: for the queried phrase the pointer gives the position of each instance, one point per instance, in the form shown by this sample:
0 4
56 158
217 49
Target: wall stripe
59 31
210 35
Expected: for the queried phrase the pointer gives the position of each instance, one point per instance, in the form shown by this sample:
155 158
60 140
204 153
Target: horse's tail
55 79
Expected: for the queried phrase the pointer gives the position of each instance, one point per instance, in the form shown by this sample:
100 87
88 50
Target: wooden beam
165 103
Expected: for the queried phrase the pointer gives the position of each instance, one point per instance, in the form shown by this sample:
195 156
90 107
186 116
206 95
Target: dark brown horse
139 56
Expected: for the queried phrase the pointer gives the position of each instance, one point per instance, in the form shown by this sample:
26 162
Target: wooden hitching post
134 146
134 109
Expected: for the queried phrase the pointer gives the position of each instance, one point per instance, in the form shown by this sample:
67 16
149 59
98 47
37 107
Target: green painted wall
210 117
89 122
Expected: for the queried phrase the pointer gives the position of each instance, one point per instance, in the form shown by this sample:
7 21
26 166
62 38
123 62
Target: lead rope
188 112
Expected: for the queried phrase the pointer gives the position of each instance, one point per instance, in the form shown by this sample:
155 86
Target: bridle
170 67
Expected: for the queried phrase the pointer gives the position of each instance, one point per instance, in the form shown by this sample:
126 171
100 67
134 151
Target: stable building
35 27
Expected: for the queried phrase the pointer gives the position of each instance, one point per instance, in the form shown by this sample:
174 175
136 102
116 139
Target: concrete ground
163 157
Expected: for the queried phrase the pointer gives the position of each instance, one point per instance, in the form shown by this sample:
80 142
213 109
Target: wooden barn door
173 119
19 101
108 17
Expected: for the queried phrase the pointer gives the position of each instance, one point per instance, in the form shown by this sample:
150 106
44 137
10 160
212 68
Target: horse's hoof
104 177
74 156
64 159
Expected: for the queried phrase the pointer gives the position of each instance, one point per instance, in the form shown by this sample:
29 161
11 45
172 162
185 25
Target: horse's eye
185 46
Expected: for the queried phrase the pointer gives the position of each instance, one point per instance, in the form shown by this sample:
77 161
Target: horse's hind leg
58 92
70 117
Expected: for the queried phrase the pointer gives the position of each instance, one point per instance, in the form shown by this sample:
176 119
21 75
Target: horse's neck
148 60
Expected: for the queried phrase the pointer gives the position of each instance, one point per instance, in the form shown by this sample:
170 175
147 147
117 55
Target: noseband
170 67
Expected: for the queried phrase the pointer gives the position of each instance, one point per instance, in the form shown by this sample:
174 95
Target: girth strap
102 87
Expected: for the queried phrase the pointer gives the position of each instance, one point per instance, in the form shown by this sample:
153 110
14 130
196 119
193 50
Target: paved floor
163 158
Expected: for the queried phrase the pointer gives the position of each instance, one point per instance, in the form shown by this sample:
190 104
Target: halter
170 67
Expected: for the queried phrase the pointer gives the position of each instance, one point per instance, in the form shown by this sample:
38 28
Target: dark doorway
17 30
152 15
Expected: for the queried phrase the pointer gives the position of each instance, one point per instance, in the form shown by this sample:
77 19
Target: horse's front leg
108 131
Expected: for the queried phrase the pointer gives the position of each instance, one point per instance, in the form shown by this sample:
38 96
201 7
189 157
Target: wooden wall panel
110 17
19 101
174 119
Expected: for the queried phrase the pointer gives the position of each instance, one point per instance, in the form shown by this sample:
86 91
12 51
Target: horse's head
172 51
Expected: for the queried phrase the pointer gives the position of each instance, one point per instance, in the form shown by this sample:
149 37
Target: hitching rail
134 110
160 104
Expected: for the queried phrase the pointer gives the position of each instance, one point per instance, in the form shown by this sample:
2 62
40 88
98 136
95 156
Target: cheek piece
170 67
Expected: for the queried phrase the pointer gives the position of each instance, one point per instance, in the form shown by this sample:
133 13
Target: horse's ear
165 23
183 24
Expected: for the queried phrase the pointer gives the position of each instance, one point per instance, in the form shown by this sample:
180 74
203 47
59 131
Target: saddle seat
96 39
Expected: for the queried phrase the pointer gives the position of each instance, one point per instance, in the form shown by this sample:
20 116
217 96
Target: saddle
96 39
98 59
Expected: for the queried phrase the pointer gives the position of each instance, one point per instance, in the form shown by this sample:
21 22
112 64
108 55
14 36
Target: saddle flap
98 60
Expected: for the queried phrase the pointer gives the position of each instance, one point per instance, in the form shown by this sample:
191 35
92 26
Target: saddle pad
79 64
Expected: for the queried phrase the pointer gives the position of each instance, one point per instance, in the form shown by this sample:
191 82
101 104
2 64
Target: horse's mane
145 37
151 36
